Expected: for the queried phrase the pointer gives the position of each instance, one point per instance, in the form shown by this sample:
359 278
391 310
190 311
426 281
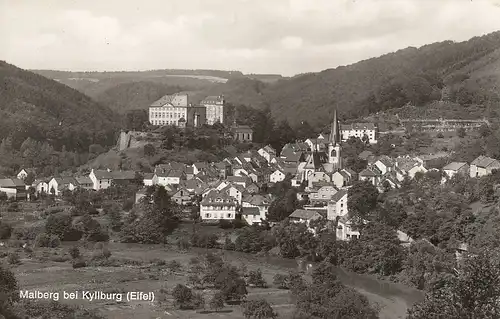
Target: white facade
42 187
277 176
164 180
345 231
212 212
169 110
98 181
338 206
215 109
359 130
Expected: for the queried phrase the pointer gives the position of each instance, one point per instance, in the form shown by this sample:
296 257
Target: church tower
334 147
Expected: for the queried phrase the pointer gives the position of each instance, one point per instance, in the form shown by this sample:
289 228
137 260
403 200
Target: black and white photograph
250 159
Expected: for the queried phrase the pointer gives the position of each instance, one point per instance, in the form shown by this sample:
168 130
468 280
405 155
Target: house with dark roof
241 180
368 175
218 205
102 179
364 155
384 163
171 177
182 196
199 166
454 168
234 190
84 182
23 173
267 152
242 133
483 166
148 179
323 195
304 216
13 187
345 229
251 215
337 206
58 184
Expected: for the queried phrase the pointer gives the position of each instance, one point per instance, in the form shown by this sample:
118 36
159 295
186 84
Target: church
327 161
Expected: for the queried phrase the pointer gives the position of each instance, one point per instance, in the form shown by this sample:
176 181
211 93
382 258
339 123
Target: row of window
166 115
163 122
217 207
218 216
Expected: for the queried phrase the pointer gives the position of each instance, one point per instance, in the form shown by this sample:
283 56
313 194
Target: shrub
5 231
440 135
183 243
255 278
78 263
174 265
27 233
258 309
42 240
54 241
74 252
13 259
217 301
225 224
281 281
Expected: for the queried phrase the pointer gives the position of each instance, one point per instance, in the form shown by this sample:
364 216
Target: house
337 207
198 167
242 133
345 229
384 164
368 175
267 152
261 203
241 180
224 169
13 187
362 131
304 216
59 184
101 179
318 177
455 168
25 172
409 167
140 195
148 179
252 189
340 179
214 106
251 215
236 191
175 110
277 176
218 205
182 196
483 166
41 186
323 195
84 182
170 177
123 177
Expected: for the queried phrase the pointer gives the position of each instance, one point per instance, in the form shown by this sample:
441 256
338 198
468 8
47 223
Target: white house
455 168
101 179
171 177
41 186
305 216
318 177
345 230
198 167
323 195
483 166
359 130
340 179
255 208
84 182
57 184
384 164
148 179
277 176
268 152
235 191
337 205
241 180
218 205
24 173
368 175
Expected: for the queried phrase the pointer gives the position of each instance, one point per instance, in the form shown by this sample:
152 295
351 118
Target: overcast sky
253 36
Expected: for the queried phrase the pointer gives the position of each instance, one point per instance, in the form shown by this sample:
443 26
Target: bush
183 243
54 241
5 231
184 298
78 263
128 204
440 135
42 240
258 309
13 259
255 278
74 252
225 224
27 233
281 281
174 266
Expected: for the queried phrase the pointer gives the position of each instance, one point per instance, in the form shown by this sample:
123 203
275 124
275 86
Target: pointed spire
335 129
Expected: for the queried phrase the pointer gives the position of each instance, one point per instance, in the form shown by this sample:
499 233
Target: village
235 188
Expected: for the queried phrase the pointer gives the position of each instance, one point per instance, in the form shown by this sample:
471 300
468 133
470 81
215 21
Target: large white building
176 110
218 205
359 130
214 109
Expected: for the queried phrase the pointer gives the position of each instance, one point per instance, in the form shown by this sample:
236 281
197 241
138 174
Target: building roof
483 161
102 174
250 211
358 126
241 129
237 179
349 171
313 161
148 175
338 195
123 175
386 160
166 99
257 200
305 214
213 99
292 156
367 173
83 180
217 198
405 164
65 180
11 182
454 166
200 165
365 154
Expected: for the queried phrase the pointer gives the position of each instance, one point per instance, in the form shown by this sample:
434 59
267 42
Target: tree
255 278
217 301
473 293
258 309
362 199
484 130
182 296
5 230
280 281
231 285
149 150
461 132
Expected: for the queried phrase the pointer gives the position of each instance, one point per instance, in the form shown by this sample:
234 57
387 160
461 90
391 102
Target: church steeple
334 147
335 130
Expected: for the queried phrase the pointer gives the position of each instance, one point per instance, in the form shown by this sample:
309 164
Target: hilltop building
214 106
360 130
175 110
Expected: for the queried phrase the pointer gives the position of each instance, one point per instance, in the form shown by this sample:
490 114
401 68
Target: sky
253 36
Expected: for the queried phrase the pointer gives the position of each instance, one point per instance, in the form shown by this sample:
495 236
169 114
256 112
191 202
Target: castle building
214 106
176 111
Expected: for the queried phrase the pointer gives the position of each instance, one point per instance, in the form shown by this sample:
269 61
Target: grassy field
47 270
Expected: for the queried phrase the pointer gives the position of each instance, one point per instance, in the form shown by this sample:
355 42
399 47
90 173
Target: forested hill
469 70
37 109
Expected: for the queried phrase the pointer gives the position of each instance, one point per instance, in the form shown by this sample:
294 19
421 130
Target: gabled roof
123 175
367 173
212 99
305 214
313 161
484 161
338 195
358 126
148 175
237 179
257 200
241 129
384 159
102 174
250 211
65 181
83 180
454 166
216 198
349 171
11 182
200 165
